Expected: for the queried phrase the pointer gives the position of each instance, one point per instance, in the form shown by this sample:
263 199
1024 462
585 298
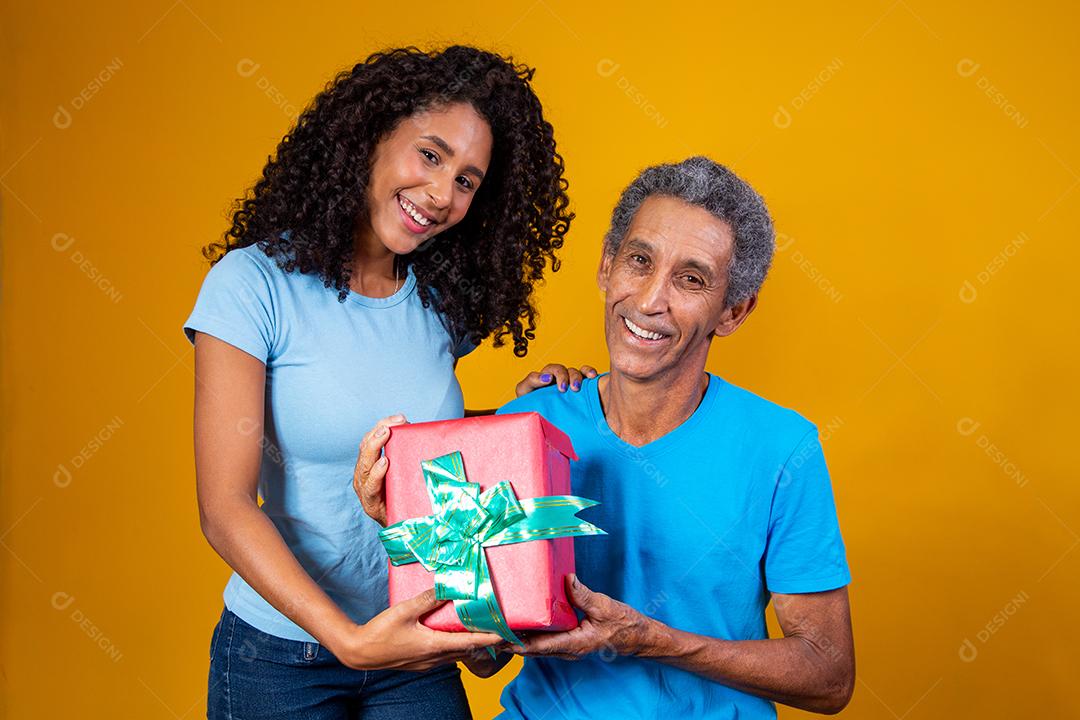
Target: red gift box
534 456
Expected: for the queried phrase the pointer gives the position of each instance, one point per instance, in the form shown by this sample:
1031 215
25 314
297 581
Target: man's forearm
791 670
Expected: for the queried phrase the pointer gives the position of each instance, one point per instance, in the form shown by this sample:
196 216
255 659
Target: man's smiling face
664 290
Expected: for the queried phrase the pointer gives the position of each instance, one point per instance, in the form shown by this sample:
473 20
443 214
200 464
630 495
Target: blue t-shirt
333 370
703 524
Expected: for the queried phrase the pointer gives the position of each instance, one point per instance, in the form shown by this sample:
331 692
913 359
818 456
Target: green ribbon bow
450 541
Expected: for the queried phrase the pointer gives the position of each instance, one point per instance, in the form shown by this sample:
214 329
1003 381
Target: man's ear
735 315
602 272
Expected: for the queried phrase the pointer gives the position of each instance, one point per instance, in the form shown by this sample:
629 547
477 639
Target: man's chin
636 368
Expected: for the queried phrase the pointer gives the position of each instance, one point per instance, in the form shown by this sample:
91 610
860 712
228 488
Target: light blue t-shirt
333 370
703 524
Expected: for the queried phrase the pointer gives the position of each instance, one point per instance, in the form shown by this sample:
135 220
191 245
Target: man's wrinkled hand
609 627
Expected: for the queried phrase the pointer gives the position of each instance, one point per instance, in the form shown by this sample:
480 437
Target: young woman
405 218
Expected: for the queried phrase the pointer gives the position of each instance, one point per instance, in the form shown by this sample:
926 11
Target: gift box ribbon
450 541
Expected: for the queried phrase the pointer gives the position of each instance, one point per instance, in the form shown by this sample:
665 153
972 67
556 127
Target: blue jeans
257 675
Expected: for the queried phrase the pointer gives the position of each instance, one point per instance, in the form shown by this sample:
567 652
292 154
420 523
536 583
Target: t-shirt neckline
402 293
663 443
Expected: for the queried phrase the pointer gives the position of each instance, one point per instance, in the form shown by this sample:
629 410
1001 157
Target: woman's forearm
247 540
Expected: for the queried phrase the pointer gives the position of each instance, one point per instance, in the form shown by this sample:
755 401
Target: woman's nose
439 190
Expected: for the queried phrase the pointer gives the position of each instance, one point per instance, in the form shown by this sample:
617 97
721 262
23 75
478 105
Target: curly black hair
481 272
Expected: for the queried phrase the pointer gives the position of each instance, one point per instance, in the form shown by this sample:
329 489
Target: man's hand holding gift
609 626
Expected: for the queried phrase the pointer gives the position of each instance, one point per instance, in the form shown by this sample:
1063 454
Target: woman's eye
465 182
429 155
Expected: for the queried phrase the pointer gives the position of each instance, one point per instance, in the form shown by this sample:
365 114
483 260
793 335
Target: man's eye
639 259
694 280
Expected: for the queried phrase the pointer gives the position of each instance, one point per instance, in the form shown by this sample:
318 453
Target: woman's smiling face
425 174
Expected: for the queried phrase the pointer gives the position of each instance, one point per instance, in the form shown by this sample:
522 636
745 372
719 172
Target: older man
715 499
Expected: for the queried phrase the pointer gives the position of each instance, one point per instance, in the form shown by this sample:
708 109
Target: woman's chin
403 243
416 242
401 240
407 247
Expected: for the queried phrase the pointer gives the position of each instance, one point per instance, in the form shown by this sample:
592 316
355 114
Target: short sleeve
235 305
804 551
464 346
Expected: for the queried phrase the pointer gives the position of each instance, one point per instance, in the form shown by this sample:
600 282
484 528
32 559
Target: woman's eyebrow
445 147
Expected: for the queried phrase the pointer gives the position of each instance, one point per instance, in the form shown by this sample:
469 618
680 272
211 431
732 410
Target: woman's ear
735 315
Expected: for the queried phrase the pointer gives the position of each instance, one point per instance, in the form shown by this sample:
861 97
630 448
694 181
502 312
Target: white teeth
413 212
641 332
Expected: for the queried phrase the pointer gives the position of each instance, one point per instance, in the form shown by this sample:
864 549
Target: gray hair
700 181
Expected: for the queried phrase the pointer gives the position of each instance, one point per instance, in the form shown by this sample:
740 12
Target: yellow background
921 162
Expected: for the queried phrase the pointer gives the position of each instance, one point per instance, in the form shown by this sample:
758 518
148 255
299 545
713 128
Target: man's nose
652 295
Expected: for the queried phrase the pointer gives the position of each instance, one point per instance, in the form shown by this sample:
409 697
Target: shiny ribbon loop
450 541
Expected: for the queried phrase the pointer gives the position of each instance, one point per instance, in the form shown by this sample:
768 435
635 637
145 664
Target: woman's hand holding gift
370 472
395 639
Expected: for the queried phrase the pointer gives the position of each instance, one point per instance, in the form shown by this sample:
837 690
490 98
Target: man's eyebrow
445 147
700 265
638 244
